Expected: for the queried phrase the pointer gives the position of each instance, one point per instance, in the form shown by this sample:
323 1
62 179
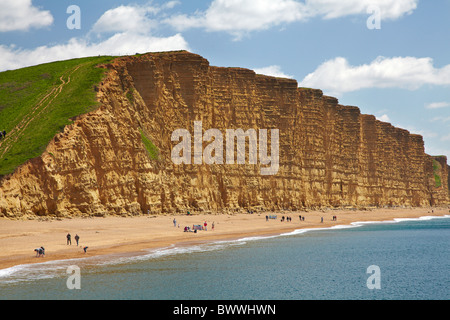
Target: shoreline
128 235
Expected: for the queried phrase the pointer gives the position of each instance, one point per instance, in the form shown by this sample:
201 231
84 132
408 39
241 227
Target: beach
113 234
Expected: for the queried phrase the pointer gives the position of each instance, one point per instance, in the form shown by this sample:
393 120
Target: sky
391 58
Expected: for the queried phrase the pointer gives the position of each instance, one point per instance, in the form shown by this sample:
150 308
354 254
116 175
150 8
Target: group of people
289 219
197 227
2 134
77 239
334 219
283 218
40 252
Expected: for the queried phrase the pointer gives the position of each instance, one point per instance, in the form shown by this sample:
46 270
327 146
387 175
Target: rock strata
330 155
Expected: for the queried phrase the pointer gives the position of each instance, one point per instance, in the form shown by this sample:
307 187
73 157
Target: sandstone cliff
330 155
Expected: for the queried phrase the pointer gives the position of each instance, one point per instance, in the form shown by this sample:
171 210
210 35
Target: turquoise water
413 257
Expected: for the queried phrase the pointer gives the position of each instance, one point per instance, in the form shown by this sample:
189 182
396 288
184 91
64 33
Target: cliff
117 159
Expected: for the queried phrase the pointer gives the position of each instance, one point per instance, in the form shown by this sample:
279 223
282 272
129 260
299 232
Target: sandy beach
19 238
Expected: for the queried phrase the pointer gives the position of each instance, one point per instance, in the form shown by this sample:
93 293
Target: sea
402 259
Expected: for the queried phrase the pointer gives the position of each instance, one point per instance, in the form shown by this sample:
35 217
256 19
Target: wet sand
19 238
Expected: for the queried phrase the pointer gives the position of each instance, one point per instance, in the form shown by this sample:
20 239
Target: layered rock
330 155
440 180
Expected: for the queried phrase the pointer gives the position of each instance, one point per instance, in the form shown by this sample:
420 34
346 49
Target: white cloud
118 44
131 18
389 9
437 105
126 18
337 76
384 118
170 4
274 71
441 119
21 15
240 17
125 30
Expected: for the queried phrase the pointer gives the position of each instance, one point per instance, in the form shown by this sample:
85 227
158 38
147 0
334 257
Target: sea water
412 257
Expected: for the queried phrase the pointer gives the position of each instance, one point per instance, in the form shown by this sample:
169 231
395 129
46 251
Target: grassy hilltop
36 102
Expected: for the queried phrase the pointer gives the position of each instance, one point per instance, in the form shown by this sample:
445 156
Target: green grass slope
37 102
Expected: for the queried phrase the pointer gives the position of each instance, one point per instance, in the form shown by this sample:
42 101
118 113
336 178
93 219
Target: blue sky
388 57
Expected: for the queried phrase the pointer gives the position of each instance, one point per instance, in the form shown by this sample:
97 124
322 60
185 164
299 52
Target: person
212 226
40 251
205 224
1 135
85 248
267 218
321 219
174 222
77 237
69 241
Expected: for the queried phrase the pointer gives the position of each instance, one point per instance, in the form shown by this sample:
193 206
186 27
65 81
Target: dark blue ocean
412 257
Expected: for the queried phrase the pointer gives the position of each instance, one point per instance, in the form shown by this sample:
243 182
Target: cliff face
440 180
329 154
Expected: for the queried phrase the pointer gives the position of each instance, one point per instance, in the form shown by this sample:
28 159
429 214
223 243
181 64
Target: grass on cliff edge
29 125
152 150
436 169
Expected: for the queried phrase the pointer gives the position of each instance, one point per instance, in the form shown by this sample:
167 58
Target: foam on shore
57 268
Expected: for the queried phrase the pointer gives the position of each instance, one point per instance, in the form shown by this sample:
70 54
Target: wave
358 224
35 271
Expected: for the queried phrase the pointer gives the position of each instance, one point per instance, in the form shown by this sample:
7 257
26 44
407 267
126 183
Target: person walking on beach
212 226
69 241
205 224
174 222
77 238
